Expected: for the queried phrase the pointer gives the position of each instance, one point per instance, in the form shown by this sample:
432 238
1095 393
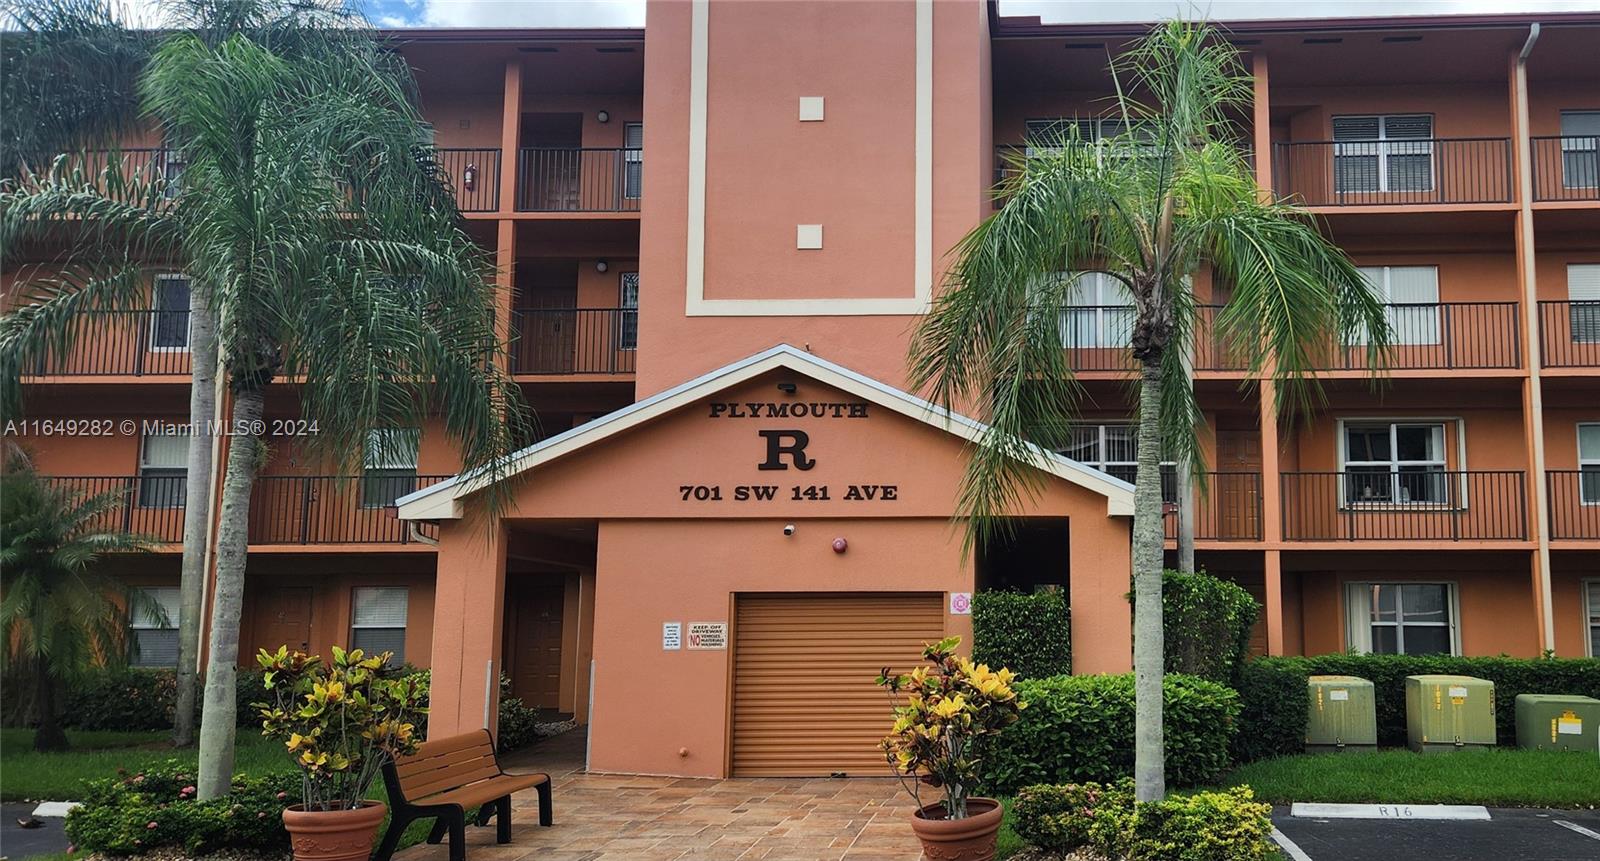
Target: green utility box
1343 714
1558 722
1449 713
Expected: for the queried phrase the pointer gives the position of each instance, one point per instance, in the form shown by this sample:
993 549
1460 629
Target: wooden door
536 647
552 160
547 337
1237 490
282 618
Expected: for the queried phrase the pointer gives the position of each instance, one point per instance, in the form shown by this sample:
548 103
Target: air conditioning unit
1558 722
1445 713
1343 714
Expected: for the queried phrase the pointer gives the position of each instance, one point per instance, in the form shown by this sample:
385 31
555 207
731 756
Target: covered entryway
804 699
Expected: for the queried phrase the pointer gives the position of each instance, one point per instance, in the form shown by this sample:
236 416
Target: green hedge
1204 826
155 809
1208 622
1080 728
1029 633
143 699
1274 698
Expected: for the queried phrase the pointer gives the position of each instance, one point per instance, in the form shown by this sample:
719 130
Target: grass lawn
59 776
1498 777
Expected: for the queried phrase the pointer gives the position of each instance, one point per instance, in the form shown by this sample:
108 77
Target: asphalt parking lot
1508 835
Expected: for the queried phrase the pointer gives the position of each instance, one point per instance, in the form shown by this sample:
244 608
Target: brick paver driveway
607 817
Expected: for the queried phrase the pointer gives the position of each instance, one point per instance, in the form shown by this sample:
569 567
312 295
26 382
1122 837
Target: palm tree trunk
50 735
1148 549
218 720
197 508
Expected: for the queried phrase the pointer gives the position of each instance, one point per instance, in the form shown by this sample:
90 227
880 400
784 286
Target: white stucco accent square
808 236
811 109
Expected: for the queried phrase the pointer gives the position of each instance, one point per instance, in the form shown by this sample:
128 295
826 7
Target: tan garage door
804 702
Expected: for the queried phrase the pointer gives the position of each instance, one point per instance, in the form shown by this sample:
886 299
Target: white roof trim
443 501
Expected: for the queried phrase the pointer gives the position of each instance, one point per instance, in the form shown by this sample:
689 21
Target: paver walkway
612 817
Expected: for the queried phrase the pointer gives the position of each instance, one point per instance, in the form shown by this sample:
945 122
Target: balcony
1566 168
122 343
1229 510
1424 171
1096 338
564 179
1569 334
1574 504
473 175
283 509
1421 505
569 341
1441 336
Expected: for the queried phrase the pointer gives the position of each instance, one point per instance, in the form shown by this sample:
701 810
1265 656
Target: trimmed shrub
1028 633
1270 726
1206 826
144 699
134 814
1207 625
1080 728
1070 816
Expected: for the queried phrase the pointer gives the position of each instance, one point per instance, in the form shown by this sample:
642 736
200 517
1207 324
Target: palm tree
59 616
1148 208
314 223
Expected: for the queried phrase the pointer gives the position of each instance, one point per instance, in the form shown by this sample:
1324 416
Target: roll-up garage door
804 698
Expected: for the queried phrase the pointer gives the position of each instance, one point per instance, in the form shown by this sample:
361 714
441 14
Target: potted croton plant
341 722
948 707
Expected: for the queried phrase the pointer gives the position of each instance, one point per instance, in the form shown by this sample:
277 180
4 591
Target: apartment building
739 507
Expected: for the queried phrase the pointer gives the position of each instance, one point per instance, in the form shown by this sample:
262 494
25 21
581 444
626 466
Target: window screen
169 329
378 620
1580 149
1583 295
163 470
391 466
154 640
1383 153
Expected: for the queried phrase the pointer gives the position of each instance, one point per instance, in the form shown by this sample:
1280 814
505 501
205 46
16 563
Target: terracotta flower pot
969 839
333 835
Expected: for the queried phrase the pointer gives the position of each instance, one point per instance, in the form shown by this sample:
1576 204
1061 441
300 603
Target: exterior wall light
601 266
603 116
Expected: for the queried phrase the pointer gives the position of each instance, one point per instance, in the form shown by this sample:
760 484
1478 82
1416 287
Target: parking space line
1289 847
1573 826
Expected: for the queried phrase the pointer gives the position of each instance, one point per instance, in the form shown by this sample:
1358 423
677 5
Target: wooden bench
444 779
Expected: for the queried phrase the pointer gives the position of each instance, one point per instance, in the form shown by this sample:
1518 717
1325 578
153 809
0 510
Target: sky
630 13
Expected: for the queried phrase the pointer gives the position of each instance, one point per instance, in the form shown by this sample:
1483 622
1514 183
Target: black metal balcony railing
1096 338
1229 510
283 509
554 341
569 179
1574 503
1569 334
1566 168
474 176
141 164
1421 505
122 343
1394 172
1442 335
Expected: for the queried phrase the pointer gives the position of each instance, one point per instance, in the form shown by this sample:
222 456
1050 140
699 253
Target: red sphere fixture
839 545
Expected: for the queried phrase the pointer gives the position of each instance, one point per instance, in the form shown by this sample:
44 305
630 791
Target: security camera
788 529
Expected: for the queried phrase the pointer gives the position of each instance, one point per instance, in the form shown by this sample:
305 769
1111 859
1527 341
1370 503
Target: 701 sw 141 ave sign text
786 448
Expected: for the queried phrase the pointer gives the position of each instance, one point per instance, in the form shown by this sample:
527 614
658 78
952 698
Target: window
1591 589
633 160
1401 618
1583 298
1395 464
154 640
1580 149
1589 463
169 325
1114 449
172 166
163 470
1099 312
1383 153
628 317
378 621
1411 297
391 466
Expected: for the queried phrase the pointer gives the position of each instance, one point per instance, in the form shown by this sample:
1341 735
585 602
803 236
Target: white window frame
1359 625
157 311
631 156
139 622
1583 303
161 472
1381 279
1587 463
376 468
1101 463
628 315
1110 322
1591 615
1384 147
1394 464
403 628
1580 143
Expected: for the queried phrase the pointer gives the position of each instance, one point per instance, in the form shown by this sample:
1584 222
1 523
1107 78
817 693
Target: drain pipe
1530 304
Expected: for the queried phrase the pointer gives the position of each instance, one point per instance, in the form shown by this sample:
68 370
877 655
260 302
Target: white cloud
1075 11
532 13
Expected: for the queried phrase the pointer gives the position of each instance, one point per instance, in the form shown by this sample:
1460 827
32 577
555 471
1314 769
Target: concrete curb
1389 811
55 809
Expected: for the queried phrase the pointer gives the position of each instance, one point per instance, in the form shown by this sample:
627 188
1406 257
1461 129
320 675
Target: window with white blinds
1583 296
1580 149
1114 449
633 160
378 620
1411 294
163 470
1589 462
169 326
1401 618
391 466
1383 153
154 640
1099 312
